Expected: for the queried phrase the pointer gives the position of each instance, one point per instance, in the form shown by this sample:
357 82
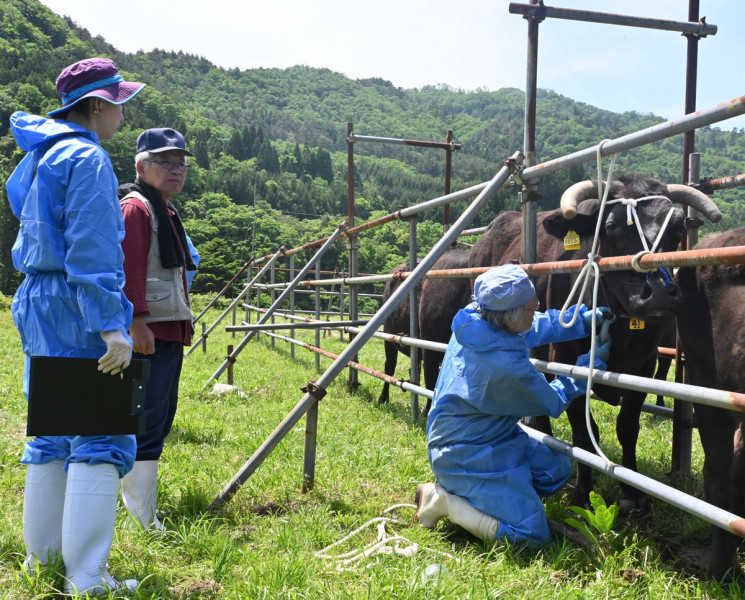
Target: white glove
118 352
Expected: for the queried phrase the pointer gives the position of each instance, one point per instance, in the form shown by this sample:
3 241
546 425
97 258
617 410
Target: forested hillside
276 139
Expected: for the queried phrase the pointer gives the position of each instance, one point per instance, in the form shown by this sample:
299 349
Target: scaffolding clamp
315 390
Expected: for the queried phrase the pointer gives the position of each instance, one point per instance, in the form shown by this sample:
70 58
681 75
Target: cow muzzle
659 295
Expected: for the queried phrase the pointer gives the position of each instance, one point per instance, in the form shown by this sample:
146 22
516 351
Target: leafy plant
600 530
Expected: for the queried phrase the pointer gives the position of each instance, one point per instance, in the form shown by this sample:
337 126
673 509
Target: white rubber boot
43 505
431 504
434 502
139 494
88 528
471 519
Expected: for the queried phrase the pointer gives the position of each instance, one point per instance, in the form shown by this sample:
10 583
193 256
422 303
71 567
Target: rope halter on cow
633 217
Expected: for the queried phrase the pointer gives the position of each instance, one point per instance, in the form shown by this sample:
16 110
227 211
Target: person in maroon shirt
156 259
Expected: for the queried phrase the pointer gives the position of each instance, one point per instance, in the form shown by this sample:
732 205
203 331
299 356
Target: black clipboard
70 396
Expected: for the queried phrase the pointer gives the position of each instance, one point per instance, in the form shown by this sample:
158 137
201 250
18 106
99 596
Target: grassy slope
262 544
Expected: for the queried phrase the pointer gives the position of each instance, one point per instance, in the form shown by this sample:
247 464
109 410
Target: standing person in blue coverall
491 475
71 303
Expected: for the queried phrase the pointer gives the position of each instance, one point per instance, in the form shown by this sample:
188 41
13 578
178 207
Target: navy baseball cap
161 140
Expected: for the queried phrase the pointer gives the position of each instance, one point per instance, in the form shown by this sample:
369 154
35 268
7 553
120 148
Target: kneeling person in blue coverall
491 475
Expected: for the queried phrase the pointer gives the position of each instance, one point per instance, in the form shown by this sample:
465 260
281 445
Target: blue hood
35 135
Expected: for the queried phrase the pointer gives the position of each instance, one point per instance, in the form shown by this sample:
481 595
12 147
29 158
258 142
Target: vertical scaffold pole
292 303
529 196
353 246
413 320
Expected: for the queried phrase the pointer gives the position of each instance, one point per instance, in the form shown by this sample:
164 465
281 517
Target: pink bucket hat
93 77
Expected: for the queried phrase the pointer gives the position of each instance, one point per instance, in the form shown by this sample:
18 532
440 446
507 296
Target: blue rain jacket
68 245
476 447
190 275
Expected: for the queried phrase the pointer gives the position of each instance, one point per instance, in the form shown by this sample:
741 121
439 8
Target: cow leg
581 439
717 429
541 423
663 367
627 431
737 474
391 359
431 366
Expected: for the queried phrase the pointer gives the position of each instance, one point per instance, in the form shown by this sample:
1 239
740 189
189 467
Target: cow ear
583 223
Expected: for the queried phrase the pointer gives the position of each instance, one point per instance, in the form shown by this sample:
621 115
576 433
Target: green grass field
265 542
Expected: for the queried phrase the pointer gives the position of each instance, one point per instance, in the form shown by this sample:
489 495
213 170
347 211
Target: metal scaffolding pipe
702 28
709 186
403 142
670 495
315 283
700 395
712 514
309 325
390 337
732 255
682 391
404 385
700 118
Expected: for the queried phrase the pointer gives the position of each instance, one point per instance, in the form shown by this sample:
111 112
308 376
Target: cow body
711 327
648 298
439 300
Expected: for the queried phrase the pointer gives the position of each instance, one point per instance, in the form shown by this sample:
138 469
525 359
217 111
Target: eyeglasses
169 166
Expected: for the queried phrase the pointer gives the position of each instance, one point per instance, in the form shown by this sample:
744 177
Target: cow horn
684 194
582 190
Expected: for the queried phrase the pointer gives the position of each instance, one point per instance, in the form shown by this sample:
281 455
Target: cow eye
611 227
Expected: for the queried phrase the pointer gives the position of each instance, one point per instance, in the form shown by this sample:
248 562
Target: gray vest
164 289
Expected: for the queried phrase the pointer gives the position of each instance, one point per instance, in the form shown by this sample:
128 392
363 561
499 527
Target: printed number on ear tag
571 241
636 324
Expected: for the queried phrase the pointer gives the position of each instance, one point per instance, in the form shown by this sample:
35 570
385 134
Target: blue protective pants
510 492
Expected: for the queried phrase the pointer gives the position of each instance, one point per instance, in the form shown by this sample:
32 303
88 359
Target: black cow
642 302
439 300
711 327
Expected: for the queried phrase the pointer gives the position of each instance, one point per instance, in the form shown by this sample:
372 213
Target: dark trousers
161 397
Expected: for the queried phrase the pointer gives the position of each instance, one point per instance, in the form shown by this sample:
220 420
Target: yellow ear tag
636 324
571 241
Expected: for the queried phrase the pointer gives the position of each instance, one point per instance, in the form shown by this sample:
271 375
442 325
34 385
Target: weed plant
263 543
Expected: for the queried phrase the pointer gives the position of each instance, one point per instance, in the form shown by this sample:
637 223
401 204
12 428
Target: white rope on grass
386 543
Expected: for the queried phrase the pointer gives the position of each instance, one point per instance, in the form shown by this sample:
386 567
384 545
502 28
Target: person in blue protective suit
490 474
71 303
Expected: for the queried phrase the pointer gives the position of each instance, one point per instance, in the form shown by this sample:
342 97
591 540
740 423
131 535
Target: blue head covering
503 288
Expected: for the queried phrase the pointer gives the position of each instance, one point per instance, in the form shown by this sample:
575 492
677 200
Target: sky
466 44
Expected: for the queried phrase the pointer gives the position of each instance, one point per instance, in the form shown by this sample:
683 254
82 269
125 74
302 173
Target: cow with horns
638 215
711 326
439 300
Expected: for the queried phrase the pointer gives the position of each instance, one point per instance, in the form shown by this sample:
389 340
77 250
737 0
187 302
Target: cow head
627 228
